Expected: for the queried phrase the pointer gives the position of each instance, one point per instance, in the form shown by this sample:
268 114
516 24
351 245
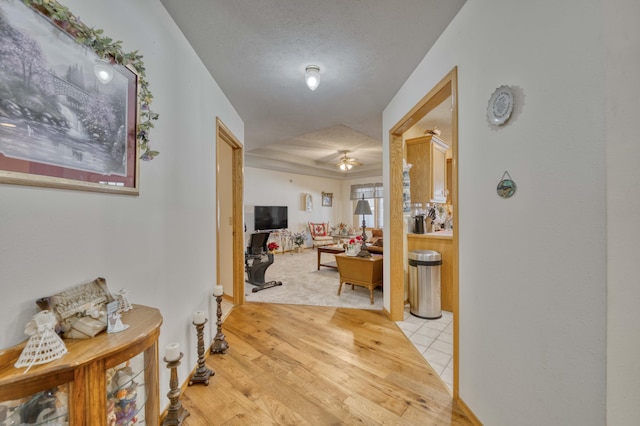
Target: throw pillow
318 229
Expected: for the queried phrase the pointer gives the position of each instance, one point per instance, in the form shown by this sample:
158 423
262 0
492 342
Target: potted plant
298 240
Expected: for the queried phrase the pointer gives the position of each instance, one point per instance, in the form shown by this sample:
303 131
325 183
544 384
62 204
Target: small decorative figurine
44 345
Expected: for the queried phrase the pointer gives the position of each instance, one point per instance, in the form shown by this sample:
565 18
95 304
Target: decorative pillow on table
81 311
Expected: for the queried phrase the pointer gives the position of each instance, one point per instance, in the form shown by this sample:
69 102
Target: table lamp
363 208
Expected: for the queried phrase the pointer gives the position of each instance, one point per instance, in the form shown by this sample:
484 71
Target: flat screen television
270 217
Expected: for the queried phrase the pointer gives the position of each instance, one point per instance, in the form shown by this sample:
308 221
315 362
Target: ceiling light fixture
312 76
345 166
346 162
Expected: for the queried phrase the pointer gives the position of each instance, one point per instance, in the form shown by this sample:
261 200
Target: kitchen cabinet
428 157
111 379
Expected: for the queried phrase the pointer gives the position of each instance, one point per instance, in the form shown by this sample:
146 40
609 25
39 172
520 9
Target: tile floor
434 340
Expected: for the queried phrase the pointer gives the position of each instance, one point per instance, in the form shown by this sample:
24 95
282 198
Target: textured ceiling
257 51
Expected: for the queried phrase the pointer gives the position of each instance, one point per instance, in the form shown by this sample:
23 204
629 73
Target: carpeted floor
303 284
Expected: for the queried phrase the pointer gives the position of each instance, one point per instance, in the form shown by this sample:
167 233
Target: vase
352 250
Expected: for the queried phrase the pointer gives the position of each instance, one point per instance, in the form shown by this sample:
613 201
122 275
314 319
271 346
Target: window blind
369 190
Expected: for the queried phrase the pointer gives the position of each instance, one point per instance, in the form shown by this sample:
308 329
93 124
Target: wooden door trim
224 135
440 92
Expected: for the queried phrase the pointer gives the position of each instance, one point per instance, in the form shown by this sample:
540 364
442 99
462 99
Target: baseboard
467 412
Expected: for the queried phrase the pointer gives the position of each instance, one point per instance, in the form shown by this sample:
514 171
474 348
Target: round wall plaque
500 106
506 187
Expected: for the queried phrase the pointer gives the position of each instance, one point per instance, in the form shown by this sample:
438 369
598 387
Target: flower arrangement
273 246
340 229
356 240
353 246
298 238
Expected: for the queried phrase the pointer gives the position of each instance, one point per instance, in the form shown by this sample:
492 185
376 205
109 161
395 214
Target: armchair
320 234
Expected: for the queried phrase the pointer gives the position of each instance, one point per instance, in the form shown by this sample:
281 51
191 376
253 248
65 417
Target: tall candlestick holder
176 413
202 373
219 343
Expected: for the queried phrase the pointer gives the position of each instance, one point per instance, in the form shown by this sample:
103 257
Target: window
372 192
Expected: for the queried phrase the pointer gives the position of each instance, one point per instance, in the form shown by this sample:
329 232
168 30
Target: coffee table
331 250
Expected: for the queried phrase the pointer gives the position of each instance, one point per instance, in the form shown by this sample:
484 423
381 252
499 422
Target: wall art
69 103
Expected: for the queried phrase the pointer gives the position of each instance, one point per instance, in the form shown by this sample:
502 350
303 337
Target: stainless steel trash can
424 284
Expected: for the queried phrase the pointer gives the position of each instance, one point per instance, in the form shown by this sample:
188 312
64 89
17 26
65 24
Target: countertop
444 235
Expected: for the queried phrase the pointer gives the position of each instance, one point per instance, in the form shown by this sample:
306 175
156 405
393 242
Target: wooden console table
361 271
81 379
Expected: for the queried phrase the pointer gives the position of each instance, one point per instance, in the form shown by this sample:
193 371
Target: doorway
445 89
229 213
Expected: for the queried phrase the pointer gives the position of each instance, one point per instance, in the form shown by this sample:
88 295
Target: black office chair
256 261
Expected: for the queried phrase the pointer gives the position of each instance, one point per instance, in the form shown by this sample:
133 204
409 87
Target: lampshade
103 71
363 207
312 76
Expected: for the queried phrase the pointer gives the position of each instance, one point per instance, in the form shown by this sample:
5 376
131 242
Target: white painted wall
159 245
623 210
273 188
533 267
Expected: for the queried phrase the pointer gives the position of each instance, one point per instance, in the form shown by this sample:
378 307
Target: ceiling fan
346 162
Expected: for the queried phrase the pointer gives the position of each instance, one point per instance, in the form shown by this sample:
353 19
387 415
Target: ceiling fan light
344 166
312 77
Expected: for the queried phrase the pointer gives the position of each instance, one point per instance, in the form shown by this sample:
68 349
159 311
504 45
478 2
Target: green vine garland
106 48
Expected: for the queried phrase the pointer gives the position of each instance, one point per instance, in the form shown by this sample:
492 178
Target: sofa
374 245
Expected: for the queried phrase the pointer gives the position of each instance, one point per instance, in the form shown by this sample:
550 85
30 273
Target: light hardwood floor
309 365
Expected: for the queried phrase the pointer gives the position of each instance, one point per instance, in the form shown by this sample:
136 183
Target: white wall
158 245
272 188
623 211
533 267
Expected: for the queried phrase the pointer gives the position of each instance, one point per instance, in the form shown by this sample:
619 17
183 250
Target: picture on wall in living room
307 202
327 199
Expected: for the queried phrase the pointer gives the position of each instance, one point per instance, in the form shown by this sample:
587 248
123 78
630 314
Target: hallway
291 364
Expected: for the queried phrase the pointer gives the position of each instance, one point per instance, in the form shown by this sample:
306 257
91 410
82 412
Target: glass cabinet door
126 392
48 407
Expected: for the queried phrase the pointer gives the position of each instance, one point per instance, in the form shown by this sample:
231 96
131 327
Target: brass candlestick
176 413
219 343
202 373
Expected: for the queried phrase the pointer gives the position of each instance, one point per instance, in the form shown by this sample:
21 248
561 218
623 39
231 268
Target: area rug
303 284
